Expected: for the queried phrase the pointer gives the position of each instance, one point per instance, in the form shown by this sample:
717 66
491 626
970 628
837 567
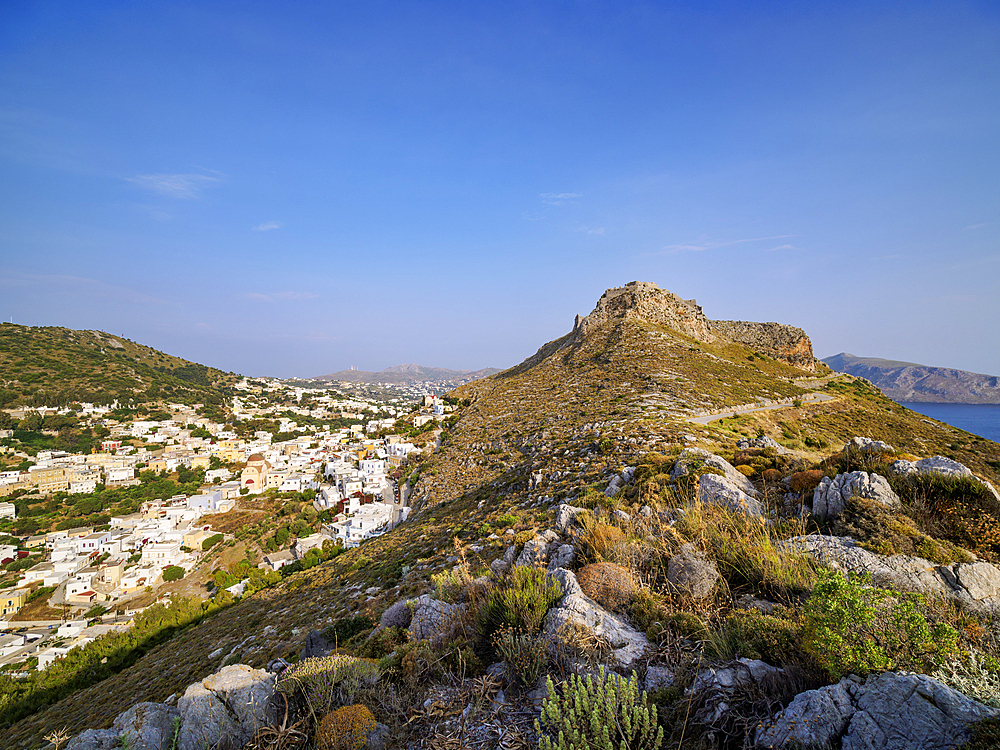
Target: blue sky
294 188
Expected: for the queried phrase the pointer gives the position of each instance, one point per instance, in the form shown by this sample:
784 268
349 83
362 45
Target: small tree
173 573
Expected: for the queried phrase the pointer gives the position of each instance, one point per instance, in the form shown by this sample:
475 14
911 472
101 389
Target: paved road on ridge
809 398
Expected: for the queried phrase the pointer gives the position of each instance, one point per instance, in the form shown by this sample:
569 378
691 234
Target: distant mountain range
907 381
403 374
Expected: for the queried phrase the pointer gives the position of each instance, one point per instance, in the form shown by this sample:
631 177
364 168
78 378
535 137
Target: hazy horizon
296 189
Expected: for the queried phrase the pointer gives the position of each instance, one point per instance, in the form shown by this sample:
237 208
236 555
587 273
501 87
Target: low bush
525 655
518 601
605 711
959 509
804 482
346 628
756 635
851 627
211 541
977 676
346 728
328 681
885 532
612 586
601 541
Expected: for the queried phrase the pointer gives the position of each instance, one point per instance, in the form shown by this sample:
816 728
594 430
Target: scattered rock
940 465
690 573
690 456
434 620
536 551
562 557
230 704
658 678
831 495
95 739
717 490
887 712
565 516
147 726
577 610
761 443
975 586
621 516
316 645
867 445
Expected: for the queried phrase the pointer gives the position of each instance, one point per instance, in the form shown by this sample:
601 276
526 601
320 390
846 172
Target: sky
294 188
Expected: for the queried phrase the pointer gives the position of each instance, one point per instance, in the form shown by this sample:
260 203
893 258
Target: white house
7 510
162 554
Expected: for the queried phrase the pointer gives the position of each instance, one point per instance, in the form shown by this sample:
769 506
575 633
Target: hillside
598 420
408 374
52 366
906 381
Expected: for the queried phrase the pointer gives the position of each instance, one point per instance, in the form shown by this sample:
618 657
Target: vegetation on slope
50 366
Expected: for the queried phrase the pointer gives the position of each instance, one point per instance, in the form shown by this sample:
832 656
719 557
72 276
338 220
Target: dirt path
809 398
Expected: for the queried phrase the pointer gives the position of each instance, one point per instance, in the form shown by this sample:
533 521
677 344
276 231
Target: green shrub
346 728
518 601
211 541
755 635
526 655
851 627
173 573
507 519
347 628
602 713
328 681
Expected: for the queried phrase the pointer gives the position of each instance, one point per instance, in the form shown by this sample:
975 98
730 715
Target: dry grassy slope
49 361
575 413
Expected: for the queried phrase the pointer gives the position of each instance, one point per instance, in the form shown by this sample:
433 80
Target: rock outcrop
831 495
434 620
887 712
974 586
230 704
942 466
716 490
576 611
692 457
787 343
645 300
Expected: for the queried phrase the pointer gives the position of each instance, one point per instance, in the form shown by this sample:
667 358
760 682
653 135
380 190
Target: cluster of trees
98 660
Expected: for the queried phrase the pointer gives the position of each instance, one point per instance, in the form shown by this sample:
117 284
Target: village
94 575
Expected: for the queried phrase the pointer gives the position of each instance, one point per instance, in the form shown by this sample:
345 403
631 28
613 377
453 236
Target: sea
979 419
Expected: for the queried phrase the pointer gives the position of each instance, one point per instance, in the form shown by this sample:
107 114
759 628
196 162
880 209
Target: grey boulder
761 443
867 445
148 726
690 573
887 712
716 490
691 456
225 708
578 611
536 551
831 495
434 620
974 586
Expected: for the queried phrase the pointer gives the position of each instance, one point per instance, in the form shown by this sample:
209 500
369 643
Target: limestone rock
562 557
95 739
316 645
940 465
867 445
434 620
887 712
716 490
147 726
719 686
577 610
690 573
565 515
621 516
658 678
974 586
830 495
689 456
761 443
229 705
536 551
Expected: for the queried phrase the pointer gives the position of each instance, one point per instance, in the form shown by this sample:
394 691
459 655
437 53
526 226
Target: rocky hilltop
645 300
907 381
600 510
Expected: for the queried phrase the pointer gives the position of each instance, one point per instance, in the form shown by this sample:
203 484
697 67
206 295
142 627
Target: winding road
808 398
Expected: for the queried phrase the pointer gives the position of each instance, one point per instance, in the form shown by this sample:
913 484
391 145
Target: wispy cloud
559 199
279 296
182 186
781 247
592 230
267 226
700 247
980 226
